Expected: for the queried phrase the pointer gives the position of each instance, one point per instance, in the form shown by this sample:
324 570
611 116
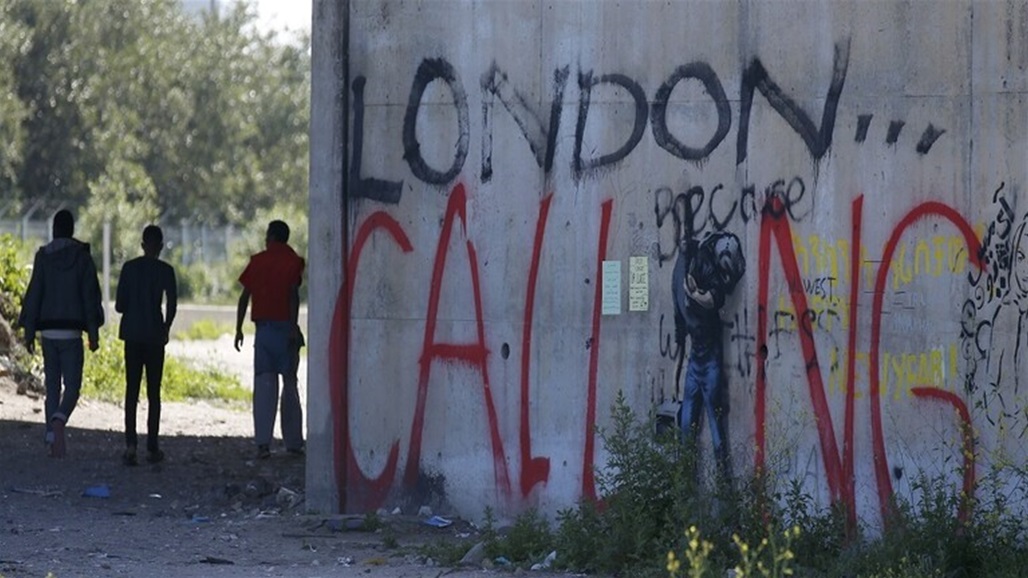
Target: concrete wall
478 165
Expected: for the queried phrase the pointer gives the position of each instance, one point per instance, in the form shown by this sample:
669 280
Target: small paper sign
638 284
611 287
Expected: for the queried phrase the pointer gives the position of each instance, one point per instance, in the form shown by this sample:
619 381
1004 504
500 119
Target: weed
444 552
389 539
372 522
528 541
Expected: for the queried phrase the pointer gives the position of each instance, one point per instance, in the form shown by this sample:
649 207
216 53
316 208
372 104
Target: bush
653 488
15 270
525 543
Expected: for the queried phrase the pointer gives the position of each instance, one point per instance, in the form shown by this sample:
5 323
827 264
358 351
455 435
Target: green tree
13 112
209 111
56 160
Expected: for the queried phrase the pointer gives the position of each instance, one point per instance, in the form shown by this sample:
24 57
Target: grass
206 330
104 377
210 330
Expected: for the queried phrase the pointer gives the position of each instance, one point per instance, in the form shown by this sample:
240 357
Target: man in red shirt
272 278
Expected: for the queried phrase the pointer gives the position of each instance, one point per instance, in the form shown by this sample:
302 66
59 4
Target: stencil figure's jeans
703 390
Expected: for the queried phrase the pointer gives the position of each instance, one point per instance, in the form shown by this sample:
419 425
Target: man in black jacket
144 283
62 300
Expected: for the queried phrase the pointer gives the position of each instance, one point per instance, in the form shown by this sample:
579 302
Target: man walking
62 300
272 278
144 283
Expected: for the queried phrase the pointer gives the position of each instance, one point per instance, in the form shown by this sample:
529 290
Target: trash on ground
438 522
545 564
97 491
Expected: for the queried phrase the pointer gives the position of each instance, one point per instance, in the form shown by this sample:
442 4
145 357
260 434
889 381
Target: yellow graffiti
820 257
898 372
932 257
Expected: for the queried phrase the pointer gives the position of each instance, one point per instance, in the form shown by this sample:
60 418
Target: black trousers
137 357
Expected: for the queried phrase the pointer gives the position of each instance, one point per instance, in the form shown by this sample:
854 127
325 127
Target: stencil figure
705 273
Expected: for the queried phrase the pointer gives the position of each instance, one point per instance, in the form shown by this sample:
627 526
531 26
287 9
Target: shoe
263 452
154 457
57 450
129 457
296 451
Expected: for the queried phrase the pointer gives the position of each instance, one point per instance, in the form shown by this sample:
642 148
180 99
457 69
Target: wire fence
197 243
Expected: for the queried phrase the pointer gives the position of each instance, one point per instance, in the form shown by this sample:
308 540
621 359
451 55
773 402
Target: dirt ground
209 509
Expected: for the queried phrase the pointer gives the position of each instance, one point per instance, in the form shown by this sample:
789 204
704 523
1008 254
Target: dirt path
209 510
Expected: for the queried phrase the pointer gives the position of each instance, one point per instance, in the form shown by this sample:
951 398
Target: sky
281 15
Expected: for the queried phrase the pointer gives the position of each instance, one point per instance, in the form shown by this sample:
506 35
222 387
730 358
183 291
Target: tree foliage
134 111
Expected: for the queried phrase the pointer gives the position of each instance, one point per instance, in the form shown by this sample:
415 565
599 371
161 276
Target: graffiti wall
795 230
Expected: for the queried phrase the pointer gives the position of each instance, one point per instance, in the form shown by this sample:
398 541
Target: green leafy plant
653 485
526 542
444 552
650 487
15 261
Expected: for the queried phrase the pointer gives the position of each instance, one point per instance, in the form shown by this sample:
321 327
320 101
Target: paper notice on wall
638 284
611 288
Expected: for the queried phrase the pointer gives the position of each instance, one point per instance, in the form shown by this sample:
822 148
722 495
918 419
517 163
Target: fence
198 243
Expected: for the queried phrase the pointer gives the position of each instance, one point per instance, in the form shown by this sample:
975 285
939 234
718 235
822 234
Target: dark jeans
62 366
137 356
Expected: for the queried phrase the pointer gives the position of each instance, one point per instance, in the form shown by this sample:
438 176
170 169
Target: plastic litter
97 491
438 522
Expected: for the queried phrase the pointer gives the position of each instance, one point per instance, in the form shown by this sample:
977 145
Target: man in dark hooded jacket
62 300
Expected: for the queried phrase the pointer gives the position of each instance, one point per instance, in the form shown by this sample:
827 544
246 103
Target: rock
474 556
257 488
286 498
547 562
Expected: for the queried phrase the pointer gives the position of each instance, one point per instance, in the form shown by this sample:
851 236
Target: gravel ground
209 509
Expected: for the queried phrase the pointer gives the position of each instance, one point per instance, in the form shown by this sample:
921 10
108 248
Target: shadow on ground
210 509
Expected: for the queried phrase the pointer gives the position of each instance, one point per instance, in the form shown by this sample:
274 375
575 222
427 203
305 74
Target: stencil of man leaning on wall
705 273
